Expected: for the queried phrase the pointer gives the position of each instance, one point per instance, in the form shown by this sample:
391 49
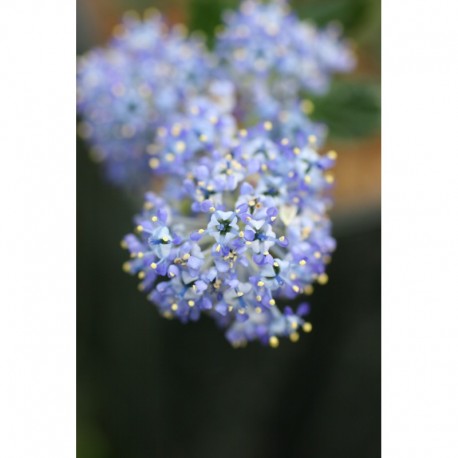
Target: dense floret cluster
275 57
239 230
143 78
246 228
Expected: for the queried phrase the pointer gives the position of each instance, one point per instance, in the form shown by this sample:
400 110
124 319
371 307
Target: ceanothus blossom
274 57
238 229
147 98
144 77
239 250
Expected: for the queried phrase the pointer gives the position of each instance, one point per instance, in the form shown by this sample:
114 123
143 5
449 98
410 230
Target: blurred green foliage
91 442
206 15
355 16
351 109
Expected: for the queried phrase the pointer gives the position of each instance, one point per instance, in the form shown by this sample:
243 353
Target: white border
419 229
38 230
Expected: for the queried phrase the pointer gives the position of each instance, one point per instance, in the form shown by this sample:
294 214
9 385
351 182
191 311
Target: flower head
143 78
244 245
274 56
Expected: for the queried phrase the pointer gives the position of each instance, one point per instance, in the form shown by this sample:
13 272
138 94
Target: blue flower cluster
143 78
146 79
245 229
275 57
240 230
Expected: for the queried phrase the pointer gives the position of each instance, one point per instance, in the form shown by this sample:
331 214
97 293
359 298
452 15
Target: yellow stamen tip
307 106
274 342
323 279
294 337
307 327
180 146
154 163
308 290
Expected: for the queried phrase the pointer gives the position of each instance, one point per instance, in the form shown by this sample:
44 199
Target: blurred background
149 387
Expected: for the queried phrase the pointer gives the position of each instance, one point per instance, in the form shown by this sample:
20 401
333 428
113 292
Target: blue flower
237 249
223 226
274 56
141 80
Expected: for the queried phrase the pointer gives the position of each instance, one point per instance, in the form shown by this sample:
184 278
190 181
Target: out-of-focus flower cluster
239 231
141 80
275 57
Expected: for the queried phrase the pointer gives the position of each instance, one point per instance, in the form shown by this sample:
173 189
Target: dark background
149 387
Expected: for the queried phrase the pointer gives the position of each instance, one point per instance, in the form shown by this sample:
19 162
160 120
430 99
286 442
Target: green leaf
350 13
206 15
351 109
